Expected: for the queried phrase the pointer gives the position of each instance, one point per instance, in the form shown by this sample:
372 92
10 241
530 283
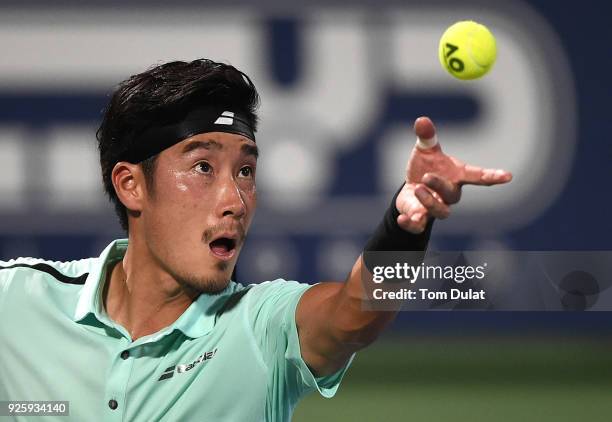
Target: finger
449 192
410 205
479 176
435 208
425 132
415 223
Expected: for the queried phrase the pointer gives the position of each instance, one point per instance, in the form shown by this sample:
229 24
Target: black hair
164 94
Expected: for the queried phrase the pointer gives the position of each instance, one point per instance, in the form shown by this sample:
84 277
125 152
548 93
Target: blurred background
341 83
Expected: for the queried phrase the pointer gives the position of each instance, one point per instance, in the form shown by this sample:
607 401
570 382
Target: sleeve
273 305
4 285
7 273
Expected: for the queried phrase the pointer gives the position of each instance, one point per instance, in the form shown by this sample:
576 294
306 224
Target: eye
203 167
246 171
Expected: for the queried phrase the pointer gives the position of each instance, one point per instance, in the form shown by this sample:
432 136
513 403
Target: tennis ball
467 50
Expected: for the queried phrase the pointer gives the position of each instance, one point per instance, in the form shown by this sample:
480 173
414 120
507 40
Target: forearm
336 320
355 325
333 324
359 325
363 325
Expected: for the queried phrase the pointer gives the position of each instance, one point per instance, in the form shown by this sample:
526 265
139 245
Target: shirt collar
197 320
89 301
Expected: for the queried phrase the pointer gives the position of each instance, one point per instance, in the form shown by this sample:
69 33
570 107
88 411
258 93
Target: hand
434 180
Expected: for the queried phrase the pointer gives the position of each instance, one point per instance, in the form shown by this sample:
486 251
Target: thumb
425 132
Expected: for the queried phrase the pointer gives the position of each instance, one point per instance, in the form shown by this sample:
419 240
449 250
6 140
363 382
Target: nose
231 202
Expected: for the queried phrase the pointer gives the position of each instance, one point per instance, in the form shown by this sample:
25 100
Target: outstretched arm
331 320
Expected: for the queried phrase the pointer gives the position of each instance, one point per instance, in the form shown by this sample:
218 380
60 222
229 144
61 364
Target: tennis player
154 329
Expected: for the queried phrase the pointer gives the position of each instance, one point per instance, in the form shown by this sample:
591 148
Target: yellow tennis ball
467 50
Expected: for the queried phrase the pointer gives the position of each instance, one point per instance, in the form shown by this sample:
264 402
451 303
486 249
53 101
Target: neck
141 296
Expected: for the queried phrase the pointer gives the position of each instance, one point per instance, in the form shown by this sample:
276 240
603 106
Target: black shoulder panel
52 272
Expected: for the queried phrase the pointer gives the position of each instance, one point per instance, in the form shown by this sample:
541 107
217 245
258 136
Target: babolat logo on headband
226 118
157 138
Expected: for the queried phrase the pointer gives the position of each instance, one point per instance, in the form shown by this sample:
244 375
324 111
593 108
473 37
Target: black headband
157 138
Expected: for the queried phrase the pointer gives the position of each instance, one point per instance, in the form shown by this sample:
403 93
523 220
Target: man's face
199 209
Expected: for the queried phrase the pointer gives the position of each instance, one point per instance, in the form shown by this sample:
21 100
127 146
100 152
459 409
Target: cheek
182 186
180 198
183 183
249 196
186 185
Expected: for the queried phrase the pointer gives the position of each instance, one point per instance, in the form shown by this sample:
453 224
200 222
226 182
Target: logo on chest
185 367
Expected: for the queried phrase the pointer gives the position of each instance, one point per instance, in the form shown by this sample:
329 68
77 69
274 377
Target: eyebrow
210 144
248 149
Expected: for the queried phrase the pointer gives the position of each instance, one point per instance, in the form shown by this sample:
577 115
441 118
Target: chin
207 285
212 281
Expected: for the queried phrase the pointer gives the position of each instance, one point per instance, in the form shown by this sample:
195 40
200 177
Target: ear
128 181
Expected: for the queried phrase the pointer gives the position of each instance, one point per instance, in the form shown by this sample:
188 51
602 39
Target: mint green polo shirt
234 356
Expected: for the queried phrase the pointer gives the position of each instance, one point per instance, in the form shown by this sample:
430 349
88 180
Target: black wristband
389 236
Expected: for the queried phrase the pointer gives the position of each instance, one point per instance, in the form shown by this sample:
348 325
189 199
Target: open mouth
223 247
